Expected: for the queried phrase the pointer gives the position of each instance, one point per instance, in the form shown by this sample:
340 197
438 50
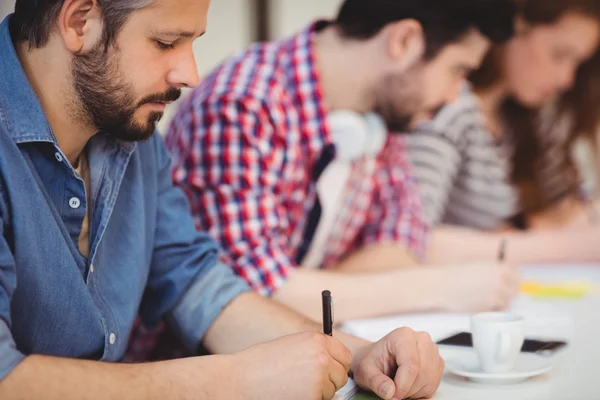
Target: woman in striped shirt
499 159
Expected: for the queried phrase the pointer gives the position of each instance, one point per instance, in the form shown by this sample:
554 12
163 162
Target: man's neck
347 72
49 79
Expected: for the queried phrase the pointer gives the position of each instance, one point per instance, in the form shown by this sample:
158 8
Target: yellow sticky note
557 289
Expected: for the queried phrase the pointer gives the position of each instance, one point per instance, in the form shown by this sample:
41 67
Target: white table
576 371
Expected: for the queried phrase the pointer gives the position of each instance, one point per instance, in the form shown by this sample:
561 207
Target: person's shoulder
253 78
455 120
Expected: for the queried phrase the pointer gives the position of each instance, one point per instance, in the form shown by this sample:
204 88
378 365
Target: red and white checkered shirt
244 146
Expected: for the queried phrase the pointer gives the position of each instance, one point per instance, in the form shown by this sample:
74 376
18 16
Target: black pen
502 251
327 312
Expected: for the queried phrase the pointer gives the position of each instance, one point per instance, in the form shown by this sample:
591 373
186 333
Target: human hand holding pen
304 366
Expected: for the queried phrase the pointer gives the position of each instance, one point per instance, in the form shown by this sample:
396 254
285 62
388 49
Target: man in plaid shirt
247 142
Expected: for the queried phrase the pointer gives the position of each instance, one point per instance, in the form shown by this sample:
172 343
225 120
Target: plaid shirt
244 146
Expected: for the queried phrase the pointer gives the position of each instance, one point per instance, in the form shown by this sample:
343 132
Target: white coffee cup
497 339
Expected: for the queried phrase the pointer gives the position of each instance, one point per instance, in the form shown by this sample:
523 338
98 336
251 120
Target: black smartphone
464 339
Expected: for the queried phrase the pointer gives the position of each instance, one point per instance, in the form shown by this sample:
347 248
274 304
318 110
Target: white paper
347 392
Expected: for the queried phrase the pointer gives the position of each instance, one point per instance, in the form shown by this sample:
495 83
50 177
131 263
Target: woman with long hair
498 163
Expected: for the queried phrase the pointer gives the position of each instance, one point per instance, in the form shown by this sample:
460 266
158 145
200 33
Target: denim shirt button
74 203
112 338
58 157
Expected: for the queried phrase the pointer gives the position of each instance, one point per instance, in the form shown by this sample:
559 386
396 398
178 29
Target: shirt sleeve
10 357
435 161
187 282
228 155
395 215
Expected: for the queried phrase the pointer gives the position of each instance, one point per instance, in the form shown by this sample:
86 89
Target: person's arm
251 319
187 282
463 287
378 257
568 213
449 244
364 295
52 378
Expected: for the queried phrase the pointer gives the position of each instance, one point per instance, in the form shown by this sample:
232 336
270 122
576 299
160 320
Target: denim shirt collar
20 108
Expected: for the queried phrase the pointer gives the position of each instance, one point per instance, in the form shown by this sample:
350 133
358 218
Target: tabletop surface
576 371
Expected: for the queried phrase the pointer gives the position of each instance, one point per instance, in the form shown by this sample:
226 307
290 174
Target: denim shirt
145 253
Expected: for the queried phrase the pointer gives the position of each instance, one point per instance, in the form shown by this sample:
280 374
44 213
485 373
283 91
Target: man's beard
399 100
106 100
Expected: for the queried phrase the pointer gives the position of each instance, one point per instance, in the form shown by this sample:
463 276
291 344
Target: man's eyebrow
177 34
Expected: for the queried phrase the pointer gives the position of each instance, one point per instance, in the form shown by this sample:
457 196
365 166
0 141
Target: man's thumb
376 381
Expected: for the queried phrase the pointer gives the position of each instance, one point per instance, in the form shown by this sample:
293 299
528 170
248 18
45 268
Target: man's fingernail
383 389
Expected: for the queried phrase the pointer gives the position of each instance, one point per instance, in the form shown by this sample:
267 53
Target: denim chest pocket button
74 203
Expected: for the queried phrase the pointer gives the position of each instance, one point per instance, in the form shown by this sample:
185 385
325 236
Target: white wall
290 16
6 7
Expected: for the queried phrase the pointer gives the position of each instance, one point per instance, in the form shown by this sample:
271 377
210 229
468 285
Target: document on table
437 325
347 392
539 317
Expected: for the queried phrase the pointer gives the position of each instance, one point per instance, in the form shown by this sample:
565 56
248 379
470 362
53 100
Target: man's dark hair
444 21
34 19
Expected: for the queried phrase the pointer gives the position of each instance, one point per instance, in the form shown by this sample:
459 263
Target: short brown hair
444 21
33 19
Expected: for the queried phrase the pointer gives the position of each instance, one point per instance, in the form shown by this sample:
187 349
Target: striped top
464 172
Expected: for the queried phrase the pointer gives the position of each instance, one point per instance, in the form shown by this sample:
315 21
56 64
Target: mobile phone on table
464 339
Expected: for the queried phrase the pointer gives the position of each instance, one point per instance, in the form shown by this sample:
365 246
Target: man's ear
521 26
80 24
405 42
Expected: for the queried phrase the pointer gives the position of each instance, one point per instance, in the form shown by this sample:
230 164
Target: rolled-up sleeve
187 283
203 302
10 357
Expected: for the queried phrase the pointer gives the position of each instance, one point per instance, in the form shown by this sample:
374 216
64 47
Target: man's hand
305 366
404 364
479 287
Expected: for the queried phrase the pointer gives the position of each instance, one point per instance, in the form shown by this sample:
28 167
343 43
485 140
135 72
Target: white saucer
527 366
